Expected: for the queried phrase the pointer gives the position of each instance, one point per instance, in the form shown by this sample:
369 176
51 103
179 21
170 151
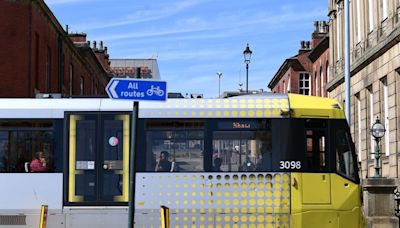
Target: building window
397 11
48 70
288 85
316 84
284 87
304 83
358 12
321 73
328 76
371 117
37 48
358 122
93 87
82 86
71 79
338 36
384 9
370 16
386 115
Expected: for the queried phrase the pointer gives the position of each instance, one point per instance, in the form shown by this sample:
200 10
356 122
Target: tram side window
174 151
20 143
344 156
235 151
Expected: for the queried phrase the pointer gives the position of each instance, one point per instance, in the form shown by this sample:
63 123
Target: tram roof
267 105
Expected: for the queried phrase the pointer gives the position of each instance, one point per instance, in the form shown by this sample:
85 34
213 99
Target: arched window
316 87
321 74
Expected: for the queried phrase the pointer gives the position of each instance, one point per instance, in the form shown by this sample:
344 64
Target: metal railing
397 204
373 38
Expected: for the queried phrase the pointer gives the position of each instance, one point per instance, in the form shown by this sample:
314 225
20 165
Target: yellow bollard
164 211
43 217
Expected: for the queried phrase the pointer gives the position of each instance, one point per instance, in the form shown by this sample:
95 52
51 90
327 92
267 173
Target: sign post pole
132 165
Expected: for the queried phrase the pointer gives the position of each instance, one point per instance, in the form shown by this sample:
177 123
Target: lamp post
377 131
219 74
247 55
397 205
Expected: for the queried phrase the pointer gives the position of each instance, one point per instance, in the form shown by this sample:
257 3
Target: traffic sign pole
132 165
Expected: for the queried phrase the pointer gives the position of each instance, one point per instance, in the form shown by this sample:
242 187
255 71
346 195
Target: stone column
379 202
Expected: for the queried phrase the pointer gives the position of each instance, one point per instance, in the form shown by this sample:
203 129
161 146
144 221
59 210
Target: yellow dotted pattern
214 199
216 108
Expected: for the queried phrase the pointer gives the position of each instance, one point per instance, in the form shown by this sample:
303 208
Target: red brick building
319 56
39 56
301 73
294 74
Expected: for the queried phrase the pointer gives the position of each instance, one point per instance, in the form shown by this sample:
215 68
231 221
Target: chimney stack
302 45
325 26
321 27
308 45
316 26
105 50
94 45
101 45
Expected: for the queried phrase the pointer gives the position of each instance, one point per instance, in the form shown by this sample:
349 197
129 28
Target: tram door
98 158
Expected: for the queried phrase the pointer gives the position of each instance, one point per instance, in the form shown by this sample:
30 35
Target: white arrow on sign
112 89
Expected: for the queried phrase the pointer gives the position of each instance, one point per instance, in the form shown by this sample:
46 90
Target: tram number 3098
289 165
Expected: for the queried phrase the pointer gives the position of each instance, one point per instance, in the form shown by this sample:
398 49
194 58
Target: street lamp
397 200
219 74
247 55
377 131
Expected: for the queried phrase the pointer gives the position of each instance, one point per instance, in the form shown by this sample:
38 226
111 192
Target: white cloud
144 14
220 27
60 2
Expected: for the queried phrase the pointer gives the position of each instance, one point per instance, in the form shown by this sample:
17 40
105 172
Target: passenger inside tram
39 163
163 164
217 165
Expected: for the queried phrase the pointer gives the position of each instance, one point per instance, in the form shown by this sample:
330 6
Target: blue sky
194 39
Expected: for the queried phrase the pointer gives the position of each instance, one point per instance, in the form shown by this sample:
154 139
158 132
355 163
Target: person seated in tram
39 163
163 164
217 165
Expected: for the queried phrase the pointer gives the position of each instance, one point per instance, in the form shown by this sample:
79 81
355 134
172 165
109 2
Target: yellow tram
267 160
284 160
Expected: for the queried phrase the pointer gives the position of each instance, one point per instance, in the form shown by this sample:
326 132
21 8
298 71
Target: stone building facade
374 76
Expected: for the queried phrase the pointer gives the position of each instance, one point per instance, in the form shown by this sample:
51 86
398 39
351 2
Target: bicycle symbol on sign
155 90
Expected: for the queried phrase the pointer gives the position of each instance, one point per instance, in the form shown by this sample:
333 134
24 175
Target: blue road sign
137 89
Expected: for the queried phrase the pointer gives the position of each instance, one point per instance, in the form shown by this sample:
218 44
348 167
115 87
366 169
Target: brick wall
318 67
37 54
